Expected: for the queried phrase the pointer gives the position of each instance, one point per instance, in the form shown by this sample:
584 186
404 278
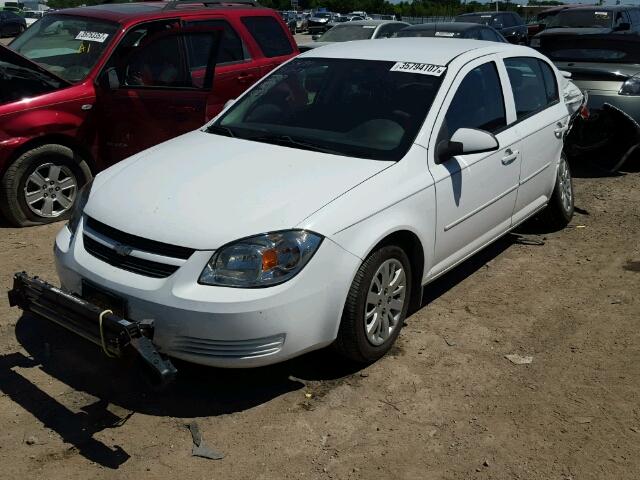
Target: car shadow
197 392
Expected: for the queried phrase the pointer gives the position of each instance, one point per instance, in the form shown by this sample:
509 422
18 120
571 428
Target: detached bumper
117 336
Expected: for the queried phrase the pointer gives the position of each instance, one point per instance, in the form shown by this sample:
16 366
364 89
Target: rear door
542 119
236 70
157 90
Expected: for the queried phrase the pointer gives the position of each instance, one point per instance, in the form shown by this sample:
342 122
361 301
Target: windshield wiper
286 140
220 130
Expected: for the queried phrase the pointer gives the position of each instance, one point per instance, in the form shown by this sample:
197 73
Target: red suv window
269 35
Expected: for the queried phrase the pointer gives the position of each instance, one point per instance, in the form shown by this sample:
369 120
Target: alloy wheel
50 190
566 190
385 301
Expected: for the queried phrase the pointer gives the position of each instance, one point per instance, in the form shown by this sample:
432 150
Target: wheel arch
53 139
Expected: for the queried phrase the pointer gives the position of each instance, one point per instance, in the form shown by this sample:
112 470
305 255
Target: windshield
358 108
32 14
345 33
592 50
65 45
581 19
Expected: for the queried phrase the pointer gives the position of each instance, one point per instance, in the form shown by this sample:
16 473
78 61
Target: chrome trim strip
480 208
537 172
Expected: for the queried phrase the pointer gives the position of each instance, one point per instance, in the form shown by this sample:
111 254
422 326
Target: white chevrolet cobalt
312 211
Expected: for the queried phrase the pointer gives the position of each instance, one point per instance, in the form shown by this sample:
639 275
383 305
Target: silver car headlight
631 86
261 261
81 201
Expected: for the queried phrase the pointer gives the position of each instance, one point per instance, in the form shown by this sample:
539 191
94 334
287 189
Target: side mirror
109 79
466 141
228 103
623 27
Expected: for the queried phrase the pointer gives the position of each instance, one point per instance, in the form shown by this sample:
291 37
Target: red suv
86 87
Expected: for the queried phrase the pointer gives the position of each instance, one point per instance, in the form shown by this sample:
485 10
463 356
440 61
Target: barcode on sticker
423 68
92 36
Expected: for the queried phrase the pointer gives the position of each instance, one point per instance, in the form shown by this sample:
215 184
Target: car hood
21 78
203 190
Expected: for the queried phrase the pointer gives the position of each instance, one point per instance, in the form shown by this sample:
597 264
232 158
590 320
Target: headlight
631 86
261 261
78 208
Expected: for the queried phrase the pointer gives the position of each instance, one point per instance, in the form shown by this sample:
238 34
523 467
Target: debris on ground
583 420
199 448
519 359
449 342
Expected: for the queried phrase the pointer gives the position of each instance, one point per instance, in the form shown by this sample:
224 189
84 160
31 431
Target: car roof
446 26
127 12
370 22
432 50
602 8
473 14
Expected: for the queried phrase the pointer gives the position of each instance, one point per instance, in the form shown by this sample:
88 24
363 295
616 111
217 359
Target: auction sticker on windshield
423 68
92 36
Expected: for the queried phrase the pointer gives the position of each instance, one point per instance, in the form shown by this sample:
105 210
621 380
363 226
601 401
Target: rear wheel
559 211
376 306
41 185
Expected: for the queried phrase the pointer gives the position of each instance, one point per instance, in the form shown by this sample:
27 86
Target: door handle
510 156
245 77
560 130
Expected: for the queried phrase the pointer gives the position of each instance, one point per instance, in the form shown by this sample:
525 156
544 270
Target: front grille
256 347
127 262
139 243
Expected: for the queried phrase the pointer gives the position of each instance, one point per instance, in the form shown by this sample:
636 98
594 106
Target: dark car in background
356 30
544 17
593 20
453 30
11 24
291 21
606 67
509 24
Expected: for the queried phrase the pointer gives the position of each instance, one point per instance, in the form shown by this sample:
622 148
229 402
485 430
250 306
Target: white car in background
32 16
314 209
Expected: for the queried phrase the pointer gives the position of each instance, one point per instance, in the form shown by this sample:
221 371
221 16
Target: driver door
152 90
475 193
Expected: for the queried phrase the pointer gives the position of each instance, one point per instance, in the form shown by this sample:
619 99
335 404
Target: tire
559 210
353 342
17 181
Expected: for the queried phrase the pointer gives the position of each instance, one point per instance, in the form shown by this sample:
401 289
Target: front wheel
41 185
376 306
559 211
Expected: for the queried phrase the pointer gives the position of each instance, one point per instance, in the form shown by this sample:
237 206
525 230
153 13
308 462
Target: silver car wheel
566 190
385 301
50 190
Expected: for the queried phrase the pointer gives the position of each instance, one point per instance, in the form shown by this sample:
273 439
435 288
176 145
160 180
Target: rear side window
550 83
530 92
478 103
269 35
231 49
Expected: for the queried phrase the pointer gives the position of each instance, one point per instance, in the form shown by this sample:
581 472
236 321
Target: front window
345 33
66 46
582 19
358 108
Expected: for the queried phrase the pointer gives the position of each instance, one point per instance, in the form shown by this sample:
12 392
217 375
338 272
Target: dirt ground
446 404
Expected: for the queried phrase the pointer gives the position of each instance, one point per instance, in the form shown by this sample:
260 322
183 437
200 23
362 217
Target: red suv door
236 69
152 89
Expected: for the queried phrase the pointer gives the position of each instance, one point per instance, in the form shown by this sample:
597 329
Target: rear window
269 35
345 33
582 19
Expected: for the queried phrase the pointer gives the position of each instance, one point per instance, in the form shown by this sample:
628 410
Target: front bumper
117 336
222 326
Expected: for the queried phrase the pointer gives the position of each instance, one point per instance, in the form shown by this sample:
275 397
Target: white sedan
314 209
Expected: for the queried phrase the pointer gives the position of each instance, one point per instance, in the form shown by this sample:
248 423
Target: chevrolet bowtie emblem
123 250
